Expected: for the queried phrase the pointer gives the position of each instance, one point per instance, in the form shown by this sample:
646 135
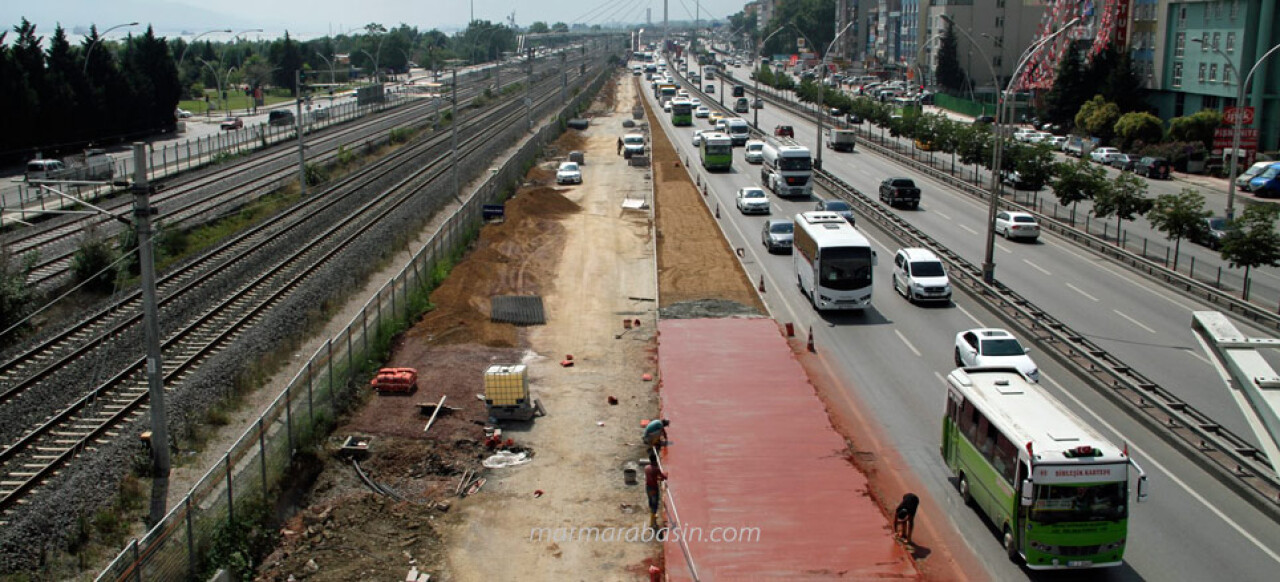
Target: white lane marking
906 341
1132 280
968 229
1197 355
1080 291
1151 461
944 217
1037 267
1133 321
1003 248
976 321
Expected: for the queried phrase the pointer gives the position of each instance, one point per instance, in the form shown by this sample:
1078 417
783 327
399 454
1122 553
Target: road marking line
1133 321
1003 248
1036 267
968 229
905 341
1150 460
1080 291
1131 278
976 321
944 217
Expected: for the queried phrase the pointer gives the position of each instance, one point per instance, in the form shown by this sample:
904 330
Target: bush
90 263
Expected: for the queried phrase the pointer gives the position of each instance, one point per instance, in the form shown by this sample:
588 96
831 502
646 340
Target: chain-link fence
221 502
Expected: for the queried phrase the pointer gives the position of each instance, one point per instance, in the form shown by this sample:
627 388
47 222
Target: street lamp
227 84
216 79
1236 123
822 93
100 39
331 72
760 65
193 41
989 265
375 63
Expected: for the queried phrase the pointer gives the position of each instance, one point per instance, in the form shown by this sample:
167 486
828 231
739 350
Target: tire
959 362
965 494
1010 545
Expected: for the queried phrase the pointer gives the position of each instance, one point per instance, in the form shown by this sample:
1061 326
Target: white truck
786 167
92 165
632 145
738 129
841 140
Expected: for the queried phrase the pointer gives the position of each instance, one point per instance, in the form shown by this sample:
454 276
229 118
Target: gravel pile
708 309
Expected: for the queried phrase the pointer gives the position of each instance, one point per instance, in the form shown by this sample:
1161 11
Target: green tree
1124 198
539 27
91 263
1179 216
812 17
1253 241
1135 128
1064 99
1075 181
1098 117
15 292
560 27
285 57
1198 127
1123 85
948 71
1035 165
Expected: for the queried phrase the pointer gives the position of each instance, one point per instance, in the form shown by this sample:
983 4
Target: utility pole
159 441
302 156
663 49
457 191
528 94
564 79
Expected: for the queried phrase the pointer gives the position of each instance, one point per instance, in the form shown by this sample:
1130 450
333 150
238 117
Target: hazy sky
311 18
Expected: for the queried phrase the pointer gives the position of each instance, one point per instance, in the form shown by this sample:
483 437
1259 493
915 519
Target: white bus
786 168
833 262
1053 486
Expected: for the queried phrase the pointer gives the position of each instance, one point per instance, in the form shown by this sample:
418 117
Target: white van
739 130
754 152
43 169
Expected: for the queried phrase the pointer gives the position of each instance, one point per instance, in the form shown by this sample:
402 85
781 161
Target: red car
231 123
784 131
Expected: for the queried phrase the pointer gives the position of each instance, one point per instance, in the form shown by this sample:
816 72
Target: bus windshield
1062 503
845 268
794 164
718 149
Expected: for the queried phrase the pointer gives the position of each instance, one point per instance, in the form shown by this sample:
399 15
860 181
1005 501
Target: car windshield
1271 172
753 194
904 183
1002 347
634 140
836 206
1024 219
569 167
782 228
1063 503
927 269
1217 223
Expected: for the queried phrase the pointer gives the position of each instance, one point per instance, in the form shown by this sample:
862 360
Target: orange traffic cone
811 348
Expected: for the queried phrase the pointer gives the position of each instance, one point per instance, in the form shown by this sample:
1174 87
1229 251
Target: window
1231 42
1216 37
1177 75
1235 9
1180 44
1213 73
1182 16
1204 42
1217 9
1202 71
1226 75
999 22
999 3
998 41
997 61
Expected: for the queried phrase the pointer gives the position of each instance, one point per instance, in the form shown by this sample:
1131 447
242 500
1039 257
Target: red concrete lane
752 447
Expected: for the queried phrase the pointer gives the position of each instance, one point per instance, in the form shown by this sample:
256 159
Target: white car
697 136
918 275
1021 134
753 200
753 152
568 173
1037 137
695 102
181 113
702 112
666 106
1100 155
1017 225
1056 142
994 347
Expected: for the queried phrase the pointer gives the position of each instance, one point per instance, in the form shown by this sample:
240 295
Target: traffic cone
761 287
791 329
811 348
717 211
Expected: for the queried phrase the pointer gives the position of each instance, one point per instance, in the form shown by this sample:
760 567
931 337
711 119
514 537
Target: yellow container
506 385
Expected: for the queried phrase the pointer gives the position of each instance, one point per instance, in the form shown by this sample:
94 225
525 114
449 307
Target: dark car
854 119
739 91
1123 162
837 206
280 117
983 119
1152 168
1211 232
784 131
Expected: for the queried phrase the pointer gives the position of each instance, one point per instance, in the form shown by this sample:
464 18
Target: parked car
1266 184
1211 232
1017 225
181 113
777 234
1055 141
753 152
752 200
1242 181
837 206
994 347
231 123
702 112
853 119
1101 155
918 275
784 131
981 119
569 173
280 117
1157 168
1122 162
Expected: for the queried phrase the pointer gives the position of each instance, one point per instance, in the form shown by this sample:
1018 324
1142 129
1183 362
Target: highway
894 357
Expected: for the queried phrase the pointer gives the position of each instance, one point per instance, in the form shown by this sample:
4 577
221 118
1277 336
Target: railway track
96 414
207 195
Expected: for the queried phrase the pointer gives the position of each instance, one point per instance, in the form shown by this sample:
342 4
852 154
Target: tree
1098 117
812 17
1198 127
1252 241
15 292
1068 92
948 71
539 27
92 261
1125 198
285 57
1133 128
1179 216
1034 164
1075 181
1123 85
559 27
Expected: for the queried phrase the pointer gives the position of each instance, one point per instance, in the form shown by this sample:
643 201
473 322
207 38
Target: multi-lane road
894 356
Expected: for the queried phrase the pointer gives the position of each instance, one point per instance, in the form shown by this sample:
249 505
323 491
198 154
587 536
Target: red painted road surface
752 447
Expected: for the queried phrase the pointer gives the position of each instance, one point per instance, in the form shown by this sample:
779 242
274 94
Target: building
1205 48
1003 29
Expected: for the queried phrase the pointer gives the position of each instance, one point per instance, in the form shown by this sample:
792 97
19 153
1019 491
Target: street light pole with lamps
1237 122
822 93
193 41
100 38
988 264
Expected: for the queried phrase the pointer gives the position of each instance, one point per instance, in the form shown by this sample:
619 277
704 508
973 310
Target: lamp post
95 44
375 63
760 65
1237 122
227 84
330 63
216 79
822 93
988 264
193 41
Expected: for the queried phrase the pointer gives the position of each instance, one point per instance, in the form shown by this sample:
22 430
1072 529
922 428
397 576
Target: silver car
777 235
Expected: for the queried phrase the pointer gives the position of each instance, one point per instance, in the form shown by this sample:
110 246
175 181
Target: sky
312 18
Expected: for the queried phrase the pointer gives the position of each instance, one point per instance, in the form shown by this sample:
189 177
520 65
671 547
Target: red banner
1229 116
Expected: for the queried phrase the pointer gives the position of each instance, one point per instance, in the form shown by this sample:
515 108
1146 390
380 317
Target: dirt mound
708 308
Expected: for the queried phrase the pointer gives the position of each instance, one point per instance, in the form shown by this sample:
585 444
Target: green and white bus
717 151
1053 486
681 112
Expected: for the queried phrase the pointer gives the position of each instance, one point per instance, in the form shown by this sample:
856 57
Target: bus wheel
959 363
965 494
1010 545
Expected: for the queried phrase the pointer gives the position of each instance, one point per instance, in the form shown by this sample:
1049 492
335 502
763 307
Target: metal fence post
288 415
137 562
231 499
191 540
262 456
311 407
329 362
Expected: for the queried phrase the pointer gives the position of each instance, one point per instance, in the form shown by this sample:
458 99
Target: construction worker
904 518
619 146
655 433
653 478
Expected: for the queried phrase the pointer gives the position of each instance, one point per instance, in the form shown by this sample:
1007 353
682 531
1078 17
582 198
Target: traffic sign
1245 113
